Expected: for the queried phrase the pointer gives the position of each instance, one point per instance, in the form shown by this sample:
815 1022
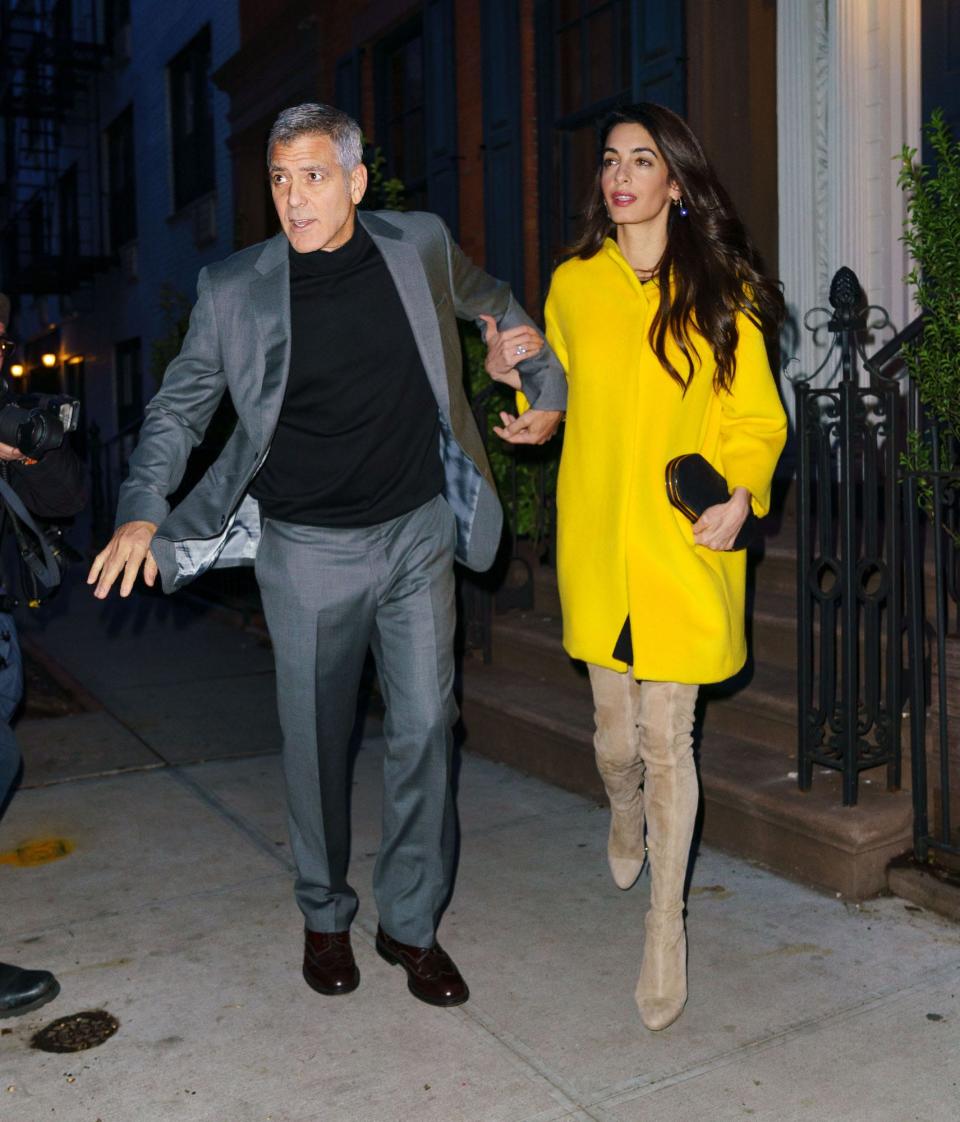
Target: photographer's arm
52 487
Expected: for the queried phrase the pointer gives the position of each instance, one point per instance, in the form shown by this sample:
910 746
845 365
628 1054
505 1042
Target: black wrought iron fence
849 557
932 530
878 564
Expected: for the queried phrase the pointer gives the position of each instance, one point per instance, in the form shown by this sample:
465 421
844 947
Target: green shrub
536 467
932 235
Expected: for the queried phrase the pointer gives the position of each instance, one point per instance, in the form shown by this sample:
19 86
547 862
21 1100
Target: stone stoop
531 708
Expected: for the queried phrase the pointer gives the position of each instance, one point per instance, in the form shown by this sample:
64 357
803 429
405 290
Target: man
354 475
52 488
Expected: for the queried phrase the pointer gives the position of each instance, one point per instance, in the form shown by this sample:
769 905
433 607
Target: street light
16 371
48 359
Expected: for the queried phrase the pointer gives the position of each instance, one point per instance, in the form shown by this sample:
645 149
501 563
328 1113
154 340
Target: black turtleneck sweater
358 440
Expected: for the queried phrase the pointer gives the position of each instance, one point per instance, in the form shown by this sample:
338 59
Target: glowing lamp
48 359
75 360
16 371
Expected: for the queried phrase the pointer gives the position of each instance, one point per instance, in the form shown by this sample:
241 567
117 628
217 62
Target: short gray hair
312 117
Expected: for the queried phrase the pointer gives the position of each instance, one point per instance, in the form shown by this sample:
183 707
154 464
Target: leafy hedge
535 467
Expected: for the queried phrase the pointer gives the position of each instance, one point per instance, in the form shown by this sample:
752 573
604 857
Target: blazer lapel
270 296
406 268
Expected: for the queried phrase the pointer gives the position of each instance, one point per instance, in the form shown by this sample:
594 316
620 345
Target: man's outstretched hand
127 550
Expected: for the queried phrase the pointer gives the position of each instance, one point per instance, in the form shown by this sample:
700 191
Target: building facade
116 188
135 135
485 109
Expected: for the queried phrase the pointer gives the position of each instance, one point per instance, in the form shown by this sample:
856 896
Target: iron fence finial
847 300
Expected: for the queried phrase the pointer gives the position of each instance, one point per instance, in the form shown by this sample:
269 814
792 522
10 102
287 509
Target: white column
848 87
802 171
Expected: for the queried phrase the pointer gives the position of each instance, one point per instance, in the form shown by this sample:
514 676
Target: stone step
759 704
532 723
752 805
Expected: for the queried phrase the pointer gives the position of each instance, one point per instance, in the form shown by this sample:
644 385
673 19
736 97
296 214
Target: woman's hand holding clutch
718 526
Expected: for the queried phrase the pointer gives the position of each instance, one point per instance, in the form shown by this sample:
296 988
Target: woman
659 319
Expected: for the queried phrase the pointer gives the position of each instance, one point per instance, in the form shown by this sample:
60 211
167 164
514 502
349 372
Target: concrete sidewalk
175 913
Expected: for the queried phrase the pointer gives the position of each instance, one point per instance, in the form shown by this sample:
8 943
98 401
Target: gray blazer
239 341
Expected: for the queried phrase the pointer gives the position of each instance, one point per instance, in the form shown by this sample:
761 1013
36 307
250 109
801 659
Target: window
116 28
43 379
191 121
589 67
121 185
129 383
593 55
503 186
37 228
116 18
67 206
63 20
401 124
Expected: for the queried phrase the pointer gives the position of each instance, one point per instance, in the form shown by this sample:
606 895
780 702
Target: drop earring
681 206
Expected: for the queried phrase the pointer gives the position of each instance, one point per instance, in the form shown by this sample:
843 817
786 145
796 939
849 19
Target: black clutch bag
693 484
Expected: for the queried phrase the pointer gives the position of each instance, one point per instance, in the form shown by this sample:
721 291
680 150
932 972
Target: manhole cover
76 1033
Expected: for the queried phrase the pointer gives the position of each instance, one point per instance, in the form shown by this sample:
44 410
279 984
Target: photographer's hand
11 455
127 550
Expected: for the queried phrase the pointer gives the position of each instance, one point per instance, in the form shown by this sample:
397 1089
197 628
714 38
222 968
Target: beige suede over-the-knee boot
616 700
671 797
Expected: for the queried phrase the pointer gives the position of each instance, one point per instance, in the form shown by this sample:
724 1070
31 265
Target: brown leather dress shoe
328 963
431 973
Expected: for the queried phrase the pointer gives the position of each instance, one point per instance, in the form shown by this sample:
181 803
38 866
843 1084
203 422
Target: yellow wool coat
622 548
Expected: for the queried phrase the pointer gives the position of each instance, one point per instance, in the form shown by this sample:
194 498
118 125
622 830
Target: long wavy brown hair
710 270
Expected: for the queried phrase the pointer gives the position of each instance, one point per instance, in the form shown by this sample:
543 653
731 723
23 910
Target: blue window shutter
347 83
657 53
440 97
502 172
939 66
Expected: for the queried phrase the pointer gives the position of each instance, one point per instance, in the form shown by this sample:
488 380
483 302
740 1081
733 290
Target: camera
63 553
35 423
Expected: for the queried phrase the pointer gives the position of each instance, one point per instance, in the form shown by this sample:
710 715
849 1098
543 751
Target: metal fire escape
51 52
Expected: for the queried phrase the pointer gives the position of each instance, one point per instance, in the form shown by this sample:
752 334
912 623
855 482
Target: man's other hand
536 426
127 550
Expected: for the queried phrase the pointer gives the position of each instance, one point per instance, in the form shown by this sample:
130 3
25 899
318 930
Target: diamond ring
521 349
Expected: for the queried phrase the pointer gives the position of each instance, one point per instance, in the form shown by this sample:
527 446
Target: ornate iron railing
932 533
849 558
878 563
